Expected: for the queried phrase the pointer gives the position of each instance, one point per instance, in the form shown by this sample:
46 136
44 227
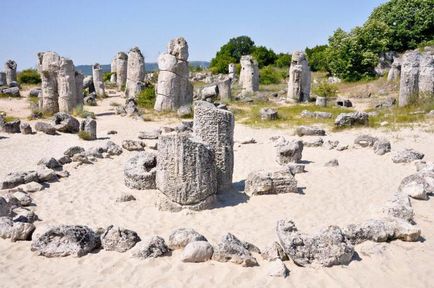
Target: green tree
264 56
231 52
317 57
283 60
29 76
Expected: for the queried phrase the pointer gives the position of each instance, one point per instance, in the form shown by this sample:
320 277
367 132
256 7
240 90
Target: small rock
332 163
125 198
309 131
32 187
25 128
118 239
45 128
51 163
179 238
133 145
197 251
151 248
407 156
277 268
268 114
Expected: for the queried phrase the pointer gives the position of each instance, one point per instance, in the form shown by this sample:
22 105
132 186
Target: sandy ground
352 192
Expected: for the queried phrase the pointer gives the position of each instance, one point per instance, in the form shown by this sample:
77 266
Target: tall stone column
224 87
67 88
98 81
426 74
113 68
395 70
409 84
135 73
186 175
249 75
215 127
121 70
3 79
11 71
299 78
232 70
48 66
79 78
174 88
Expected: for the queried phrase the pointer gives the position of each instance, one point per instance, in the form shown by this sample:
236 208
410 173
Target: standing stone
249 75
66 85
48 66
113 65
174 88
11 71
224 87
299 78
426 74
98 80
186 175
135 73
89 125
395 70
121 70
3 79
409 85
232 70
79 96
215 127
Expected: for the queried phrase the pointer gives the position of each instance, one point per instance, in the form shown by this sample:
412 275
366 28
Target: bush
317 57
29 76
107 75
283 60
146 98
325 89
270 75
264 56
84 135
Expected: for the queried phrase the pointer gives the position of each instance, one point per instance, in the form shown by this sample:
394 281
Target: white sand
352 192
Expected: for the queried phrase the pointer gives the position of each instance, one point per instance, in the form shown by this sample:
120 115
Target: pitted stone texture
426 74
274 251
231 249
289 152
224 89
135 73
179 238
382 146
63 122
249 75
98 82
309 131
121 70
89 125
79 96
327 247
48 67
263 183
215 127
197 251
400 207
299 78
395 70
11 71
418 185
351 119
178 47
118 239
407 156
152 247
66 85
186 174
409 85
65 240
140 171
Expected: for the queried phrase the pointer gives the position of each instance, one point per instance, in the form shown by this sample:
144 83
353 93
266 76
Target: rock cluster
174 88
249 75
299 78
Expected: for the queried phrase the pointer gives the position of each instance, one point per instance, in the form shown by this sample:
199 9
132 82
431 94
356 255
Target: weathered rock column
249 75
232 70
409 84
98 81
135 73
48 66
3 79
224 87
79 78
113 68
121 70
89 125
395 70
426 74
11 71
174 88
299 78
66 84
186 175
215 127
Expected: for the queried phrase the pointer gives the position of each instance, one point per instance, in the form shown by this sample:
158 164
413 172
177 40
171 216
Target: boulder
63 122
15 179
179 238
51 163
140 171
382 146
65 240
309 131
289 152
151 248
117 239
12 126
277 268
263 183
89 125
71 151
327 247
25 128
418 185
11 92
317 142
351 119
133 145
32 187
400 207
111 148
197 251
233 250
274 251
296 168
45 128
268 114
407 156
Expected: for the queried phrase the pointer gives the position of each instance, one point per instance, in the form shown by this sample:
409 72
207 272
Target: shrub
29 76
107 75
325 89
264 56
146 98
84 135
283 60
270 75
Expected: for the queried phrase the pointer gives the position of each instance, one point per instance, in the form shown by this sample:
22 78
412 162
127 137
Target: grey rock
12 127
151 248
382 146
289 152
249 75
232 249
407 156
332 163
71 151
268 114
299 78
15 179
309 131
315 114
125 198
140 171
89 125
295 168
277 268
365 140
149 135
51 163
197 251
63 122
181 237
331 144
45 128
133 145
22 231
25 128
64 160
317 142
118 239
23 198
12 92
263 183
351 119
184 111
418 185
274 251
400 207
32 187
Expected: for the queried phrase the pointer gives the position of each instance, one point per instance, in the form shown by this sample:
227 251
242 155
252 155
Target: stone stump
11 71
89 125
121 70
135 73
215 127
249 75
186 175
98 81
299 78
48 66
67 88
224 87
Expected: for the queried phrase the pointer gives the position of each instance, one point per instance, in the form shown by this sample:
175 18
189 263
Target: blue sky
90 31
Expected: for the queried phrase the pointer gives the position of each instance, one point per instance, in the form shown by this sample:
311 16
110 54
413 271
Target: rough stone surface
289 152
140 171
351 119
365 140
133 145
327 247
151 248
63 122
382 146
65 240
179 238
400 207
197 251
406 156
215 127
71 151
274 251
263 183
121 70
45 128
98 81
25 128
89 125
66 85
332 163
317 142
309 131
268 114
299 78
12 127
50 162
249 75
135 73
11 71
118 239
418 185
232 249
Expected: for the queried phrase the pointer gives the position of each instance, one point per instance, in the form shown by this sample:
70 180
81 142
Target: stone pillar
249 75
135 73
186 175
232 71
299 78
98 81
113 68
215 127
121 70
224 87
174 88
11 71
426 74
66 85
3 79
409 84
395 70
79 79
48 66
89 125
